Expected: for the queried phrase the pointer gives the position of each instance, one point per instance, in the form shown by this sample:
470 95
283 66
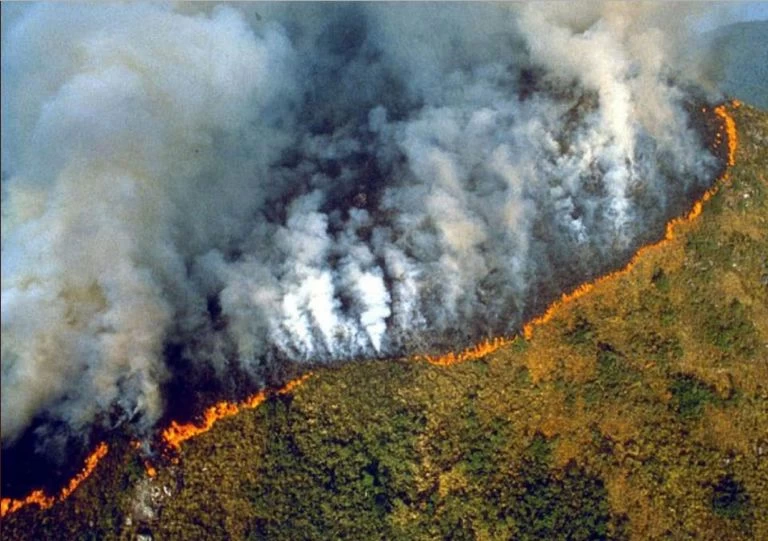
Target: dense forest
639 410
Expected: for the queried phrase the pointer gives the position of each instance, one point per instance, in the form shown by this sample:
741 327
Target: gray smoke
313 183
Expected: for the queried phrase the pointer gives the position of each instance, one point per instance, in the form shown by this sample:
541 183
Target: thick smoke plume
311 183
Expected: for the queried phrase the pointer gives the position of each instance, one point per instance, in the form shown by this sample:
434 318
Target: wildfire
490 345
177 433
470 354
9 505
730 130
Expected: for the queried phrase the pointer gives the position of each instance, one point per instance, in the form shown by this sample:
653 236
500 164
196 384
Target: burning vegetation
343 201
172 437
177 433
185 226
42 500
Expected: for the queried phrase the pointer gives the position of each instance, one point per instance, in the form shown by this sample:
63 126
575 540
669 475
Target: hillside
638 410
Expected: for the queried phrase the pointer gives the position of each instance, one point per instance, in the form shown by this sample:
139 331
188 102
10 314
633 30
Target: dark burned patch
193 387
189 386
32 462
709 128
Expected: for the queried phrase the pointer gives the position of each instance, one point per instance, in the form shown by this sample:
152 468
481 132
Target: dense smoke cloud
314 183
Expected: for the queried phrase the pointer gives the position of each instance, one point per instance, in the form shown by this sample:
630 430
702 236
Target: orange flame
729 125
486 347
585 288
730 129
9 505
150 469
490 345
178 433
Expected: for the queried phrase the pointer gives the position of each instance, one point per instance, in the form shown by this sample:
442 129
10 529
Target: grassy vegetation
640 411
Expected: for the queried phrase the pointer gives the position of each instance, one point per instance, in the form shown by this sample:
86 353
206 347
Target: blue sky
739 11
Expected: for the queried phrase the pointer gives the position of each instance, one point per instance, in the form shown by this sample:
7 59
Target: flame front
729 127
730 130
472 353
9 505
177 433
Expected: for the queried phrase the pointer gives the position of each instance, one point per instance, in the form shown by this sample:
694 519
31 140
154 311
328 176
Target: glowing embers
150 469
178 433
9 505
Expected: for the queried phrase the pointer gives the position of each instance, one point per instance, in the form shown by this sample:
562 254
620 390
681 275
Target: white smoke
314 183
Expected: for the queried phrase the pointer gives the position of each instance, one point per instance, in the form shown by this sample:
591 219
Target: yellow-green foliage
640 411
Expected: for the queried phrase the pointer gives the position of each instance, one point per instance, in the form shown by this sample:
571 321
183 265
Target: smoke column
312 183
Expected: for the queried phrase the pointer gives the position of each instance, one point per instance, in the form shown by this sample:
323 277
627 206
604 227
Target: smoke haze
311 183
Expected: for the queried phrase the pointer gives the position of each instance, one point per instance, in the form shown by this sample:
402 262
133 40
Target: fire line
176 433
491 345
9 505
